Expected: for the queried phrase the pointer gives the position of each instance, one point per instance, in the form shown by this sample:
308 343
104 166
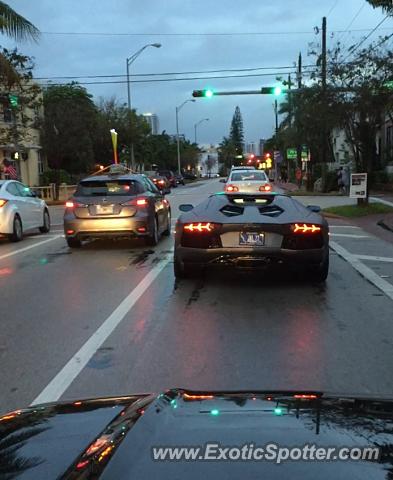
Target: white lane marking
21 250
57 224
343 226
375 259
380 200
348 235
47 235
366 272
55 389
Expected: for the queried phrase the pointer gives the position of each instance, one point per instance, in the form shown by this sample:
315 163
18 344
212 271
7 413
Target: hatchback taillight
2 202
265 188
74 204
137 202
231 188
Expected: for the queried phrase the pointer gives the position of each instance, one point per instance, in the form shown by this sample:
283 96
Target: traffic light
272 91
207 93
14 100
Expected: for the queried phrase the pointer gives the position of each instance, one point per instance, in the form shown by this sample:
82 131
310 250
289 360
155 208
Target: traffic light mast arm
262 91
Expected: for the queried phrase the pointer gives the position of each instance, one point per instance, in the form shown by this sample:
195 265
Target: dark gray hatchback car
116 205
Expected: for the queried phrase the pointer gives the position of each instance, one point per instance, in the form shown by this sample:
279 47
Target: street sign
291 153
304 154
358 187
277 157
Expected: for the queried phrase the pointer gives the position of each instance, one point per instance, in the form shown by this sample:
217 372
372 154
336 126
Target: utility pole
298 146
323 75
299 71
323 72
289 100
276 115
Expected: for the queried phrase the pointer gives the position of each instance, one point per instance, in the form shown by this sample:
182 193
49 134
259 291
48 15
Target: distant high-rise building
152 120
251 147
262 142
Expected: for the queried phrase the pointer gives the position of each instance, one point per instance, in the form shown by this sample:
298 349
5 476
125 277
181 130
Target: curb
332 215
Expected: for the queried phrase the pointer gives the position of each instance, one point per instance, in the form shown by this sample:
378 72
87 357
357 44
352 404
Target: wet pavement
111 319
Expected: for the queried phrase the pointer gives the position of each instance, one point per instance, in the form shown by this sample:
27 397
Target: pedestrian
345 180
9 170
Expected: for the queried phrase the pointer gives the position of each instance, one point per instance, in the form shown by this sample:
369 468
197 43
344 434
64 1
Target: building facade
154 123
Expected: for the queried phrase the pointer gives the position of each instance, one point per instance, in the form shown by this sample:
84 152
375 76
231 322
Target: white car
248 181
21 210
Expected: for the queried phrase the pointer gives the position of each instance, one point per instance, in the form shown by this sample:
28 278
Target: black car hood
41 442
113 438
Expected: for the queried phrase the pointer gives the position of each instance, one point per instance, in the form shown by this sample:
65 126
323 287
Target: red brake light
199 227
73 204
141 202
305 228
2 202
161 182
265 188
231 188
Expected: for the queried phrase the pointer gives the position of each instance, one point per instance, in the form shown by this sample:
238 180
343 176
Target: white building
152 120
342 152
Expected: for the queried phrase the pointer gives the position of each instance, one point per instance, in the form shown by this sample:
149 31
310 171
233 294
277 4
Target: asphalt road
110 319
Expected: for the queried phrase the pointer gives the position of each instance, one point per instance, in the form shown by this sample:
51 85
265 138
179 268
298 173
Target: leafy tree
386 5
227 153
18 28
20 120
68 128
362 97
112 114
236 133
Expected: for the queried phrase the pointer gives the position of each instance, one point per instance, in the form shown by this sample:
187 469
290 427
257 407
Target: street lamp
196 126
129 61
177 132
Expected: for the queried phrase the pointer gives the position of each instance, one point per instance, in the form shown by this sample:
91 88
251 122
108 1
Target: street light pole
177 133
129 61
196 126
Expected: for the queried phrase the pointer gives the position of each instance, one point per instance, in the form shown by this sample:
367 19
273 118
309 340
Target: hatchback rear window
248 176
107 188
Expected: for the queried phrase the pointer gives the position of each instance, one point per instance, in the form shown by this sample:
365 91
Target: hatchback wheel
167 231
46 223
73 242
152 239
17 231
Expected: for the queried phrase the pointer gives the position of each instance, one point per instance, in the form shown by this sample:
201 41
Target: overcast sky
152 20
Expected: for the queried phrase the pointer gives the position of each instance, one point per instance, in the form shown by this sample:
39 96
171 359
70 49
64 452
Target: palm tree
18 28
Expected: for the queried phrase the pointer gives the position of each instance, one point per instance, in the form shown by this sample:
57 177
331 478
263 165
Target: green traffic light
277 91
209 93
278 411
14 100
